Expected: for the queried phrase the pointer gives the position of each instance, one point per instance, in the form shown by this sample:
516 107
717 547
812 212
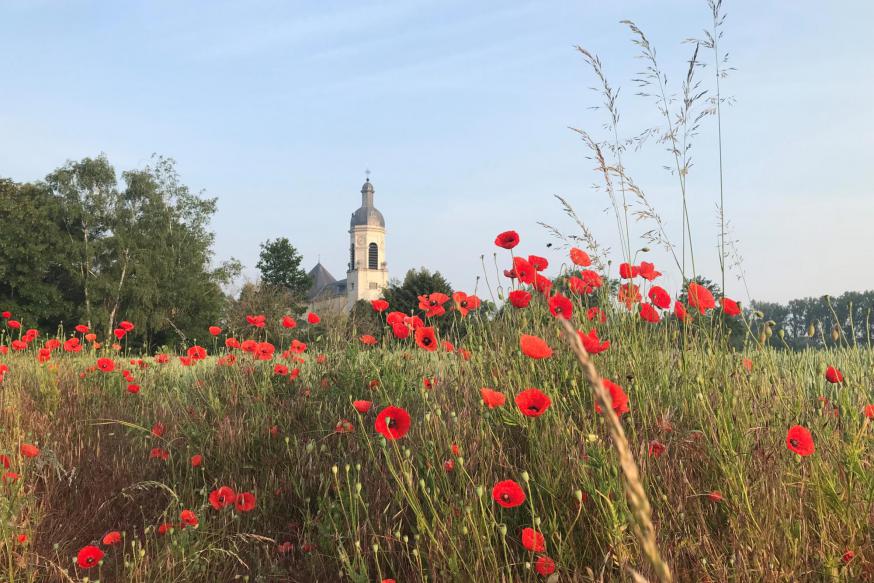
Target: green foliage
404 296
279 264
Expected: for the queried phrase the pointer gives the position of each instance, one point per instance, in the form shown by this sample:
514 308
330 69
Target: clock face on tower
359 240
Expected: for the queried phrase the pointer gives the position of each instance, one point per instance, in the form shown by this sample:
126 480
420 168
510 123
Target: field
320 494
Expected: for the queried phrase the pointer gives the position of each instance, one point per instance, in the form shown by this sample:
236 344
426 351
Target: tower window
372 256
351 257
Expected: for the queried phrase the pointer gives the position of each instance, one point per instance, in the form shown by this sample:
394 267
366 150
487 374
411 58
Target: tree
404 296
279 264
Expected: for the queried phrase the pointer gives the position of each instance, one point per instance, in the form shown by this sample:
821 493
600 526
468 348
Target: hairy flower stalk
634 492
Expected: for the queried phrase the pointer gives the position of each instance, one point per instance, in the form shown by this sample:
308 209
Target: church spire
367 193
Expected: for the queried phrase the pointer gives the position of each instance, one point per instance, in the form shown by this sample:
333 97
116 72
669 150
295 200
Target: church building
367 272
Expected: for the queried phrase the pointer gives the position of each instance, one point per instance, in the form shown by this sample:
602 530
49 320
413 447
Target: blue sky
461 110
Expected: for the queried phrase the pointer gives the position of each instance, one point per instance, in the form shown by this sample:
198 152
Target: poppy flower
392 423
400 331
747 364
544 566
533 402
222 497
133 388
158 429
834 375
196 352
14 324
215 330
592 343
869 411
534 347
29 450
367 340
848 556
362 406
164 528
680 312
91 337
618 398
508 494
628 271
533 540
106 364
492 398
524 270
432 304
647 271
580 257
119 333
799 440
196 460
591 280
448 466
126 326
111 538
560 306
649 313
81 328
538 263
629 294
519 298
245 502
188 518
542 284
730 307
715 496
288 322
159 454
507 239
426 338
6 314
465 303
659 297
700 297
596 313
313 318
656 448
88 556
379 305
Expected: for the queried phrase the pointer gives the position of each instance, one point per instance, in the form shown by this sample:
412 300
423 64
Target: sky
461 111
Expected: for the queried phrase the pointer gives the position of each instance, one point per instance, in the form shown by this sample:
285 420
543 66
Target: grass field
333 500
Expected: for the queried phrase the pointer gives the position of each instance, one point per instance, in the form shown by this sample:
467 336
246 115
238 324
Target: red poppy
834 375
730 307
313 318
448 465
362 406
596 313
848 556
288 322
6 314
869 411
15 324
400 331
544 566
159 454
656 448
507 239
392 423
680 312
618 398
560 306
119 333
81 328
592 343
747 364
533 540
580 257
533 402
508 494
125 325
715 496
164 528
367 340
465 303
647 271
534 347
379 305
520 298
29 450
89 556
222 498
106 364
649 313
492 398
524 270
111 538
432 304
245 502
426 338
799 440
215 330
196 352
628 271
542 284
700 297
196 460
629 294
660 297
188 518
538 263
133 388
158 429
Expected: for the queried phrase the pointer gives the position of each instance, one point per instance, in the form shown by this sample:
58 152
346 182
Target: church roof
323 283
367 214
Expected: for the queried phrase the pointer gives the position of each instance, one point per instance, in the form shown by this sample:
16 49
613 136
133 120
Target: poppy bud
781 333
578 494
503 529
836 335
525 477
811 330
768 331
758 314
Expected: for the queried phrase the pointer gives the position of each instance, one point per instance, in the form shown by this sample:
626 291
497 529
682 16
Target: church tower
367 275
